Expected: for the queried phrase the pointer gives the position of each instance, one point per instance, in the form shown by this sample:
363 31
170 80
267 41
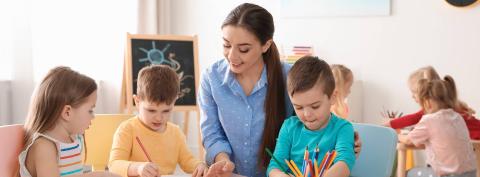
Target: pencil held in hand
143 149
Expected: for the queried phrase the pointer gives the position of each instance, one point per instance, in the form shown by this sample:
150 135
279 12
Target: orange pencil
324 163
307 170
333 158
143 149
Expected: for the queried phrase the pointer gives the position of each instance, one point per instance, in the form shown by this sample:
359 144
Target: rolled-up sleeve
214 138
419 135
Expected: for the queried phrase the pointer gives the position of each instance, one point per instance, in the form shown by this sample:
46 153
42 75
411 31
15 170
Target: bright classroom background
382 50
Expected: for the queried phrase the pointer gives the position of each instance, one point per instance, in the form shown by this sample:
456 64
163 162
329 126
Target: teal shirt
294 137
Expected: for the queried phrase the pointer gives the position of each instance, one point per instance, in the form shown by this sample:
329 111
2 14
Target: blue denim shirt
232 122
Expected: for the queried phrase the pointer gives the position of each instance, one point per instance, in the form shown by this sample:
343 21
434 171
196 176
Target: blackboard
177 52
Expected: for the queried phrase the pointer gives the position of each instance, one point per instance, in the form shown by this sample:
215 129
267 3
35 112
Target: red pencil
143 148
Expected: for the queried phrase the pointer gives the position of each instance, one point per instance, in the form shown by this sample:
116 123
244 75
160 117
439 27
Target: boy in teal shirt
310 85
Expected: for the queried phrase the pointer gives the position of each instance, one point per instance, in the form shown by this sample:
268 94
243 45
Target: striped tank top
69 156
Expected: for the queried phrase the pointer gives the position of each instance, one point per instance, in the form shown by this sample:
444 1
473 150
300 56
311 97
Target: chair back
99 138
11 138
378 151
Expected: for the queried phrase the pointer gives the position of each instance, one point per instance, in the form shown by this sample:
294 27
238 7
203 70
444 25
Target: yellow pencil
296 168
331 161
315 165
291 168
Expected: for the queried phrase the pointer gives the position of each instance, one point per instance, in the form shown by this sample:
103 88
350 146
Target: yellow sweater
166 149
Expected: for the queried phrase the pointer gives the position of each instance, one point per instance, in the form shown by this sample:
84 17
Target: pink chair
11 139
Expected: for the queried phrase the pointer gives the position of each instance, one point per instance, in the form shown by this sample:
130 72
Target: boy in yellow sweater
157 90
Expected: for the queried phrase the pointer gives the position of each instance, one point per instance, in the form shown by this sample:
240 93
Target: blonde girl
429 73
60 111
343 83
442 130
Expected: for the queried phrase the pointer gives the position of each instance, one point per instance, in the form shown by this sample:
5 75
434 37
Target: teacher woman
242 97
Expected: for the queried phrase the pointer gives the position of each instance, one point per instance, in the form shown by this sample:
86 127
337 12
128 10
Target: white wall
382 51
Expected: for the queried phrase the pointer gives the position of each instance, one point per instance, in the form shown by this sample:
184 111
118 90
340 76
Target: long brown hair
259 22
61 86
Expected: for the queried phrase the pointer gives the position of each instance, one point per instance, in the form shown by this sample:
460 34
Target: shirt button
246 125
245 143
245 161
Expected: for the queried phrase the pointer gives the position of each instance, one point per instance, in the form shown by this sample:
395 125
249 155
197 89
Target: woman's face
413 90
242 49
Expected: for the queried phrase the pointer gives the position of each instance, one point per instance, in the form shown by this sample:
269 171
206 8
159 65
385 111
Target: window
87 35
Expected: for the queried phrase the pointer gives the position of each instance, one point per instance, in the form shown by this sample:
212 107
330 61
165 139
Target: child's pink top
447 143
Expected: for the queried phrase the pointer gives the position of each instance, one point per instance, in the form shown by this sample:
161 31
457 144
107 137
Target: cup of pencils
390 114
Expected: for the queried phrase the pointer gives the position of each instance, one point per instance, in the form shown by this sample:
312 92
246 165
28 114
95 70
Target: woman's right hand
147 169
223 168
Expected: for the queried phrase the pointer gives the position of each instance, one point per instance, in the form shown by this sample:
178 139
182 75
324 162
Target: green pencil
276 160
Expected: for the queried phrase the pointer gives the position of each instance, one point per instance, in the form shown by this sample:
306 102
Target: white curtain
88 36
154 17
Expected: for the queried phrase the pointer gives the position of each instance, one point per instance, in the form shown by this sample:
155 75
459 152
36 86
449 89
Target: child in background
343 83
310 85
442 130
430 74
60 111
157 89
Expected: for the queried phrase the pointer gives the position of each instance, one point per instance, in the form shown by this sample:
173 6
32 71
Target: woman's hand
358 144
201 170
223 168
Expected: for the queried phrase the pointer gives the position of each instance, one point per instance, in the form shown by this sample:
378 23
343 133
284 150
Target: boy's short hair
158 84
308 71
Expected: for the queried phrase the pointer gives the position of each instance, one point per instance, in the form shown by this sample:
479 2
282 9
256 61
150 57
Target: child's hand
222 168
201 170
283 175
148 169
277 173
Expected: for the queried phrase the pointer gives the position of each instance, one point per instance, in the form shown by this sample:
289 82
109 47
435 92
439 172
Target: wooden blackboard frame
127 104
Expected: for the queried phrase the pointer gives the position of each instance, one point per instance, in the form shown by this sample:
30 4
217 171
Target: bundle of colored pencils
310 167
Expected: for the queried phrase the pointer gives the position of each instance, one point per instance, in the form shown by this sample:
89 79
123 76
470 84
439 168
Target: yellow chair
99 138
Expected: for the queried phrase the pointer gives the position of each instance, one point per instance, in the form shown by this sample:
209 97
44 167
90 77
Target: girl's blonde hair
428 73
342 76
61 86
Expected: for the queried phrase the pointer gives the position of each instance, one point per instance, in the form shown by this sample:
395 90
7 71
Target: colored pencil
276 160
291 168
143 149
296 168
331 159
